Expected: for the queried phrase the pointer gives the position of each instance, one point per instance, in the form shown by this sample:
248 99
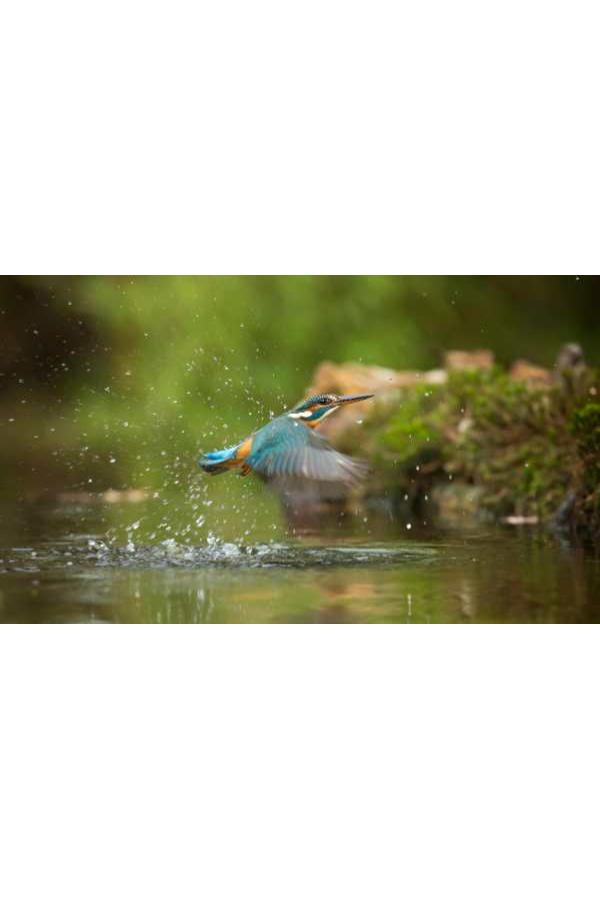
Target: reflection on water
69 565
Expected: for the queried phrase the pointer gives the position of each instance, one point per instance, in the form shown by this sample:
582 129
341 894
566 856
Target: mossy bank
485 444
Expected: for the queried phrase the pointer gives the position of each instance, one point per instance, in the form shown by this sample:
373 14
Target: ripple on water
89 553
224 554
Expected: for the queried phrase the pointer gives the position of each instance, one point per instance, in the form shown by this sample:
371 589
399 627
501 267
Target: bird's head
315 409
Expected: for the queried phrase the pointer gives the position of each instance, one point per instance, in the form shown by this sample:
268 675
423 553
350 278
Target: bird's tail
219 460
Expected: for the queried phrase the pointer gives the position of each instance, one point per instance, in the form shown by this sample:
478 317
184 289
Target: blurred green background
121 381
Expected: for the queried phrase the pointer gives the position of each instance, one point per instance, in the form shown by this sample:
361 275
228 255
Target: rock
570 368
534 376
570 356
353 378
435 376
455 360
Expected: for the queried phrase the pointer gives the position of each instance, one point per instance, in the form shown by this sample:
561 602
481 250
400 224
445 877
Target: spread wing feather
288 449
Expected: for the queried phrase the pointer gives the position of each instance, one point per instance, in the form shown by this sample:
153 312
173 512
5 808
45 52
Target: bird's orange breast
244 450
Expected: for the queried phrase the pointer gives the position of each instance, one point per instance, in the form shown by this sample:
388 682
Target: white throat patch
308 413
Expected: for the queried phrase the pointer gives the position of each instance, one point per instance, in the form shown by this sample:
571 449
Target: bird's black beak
352 398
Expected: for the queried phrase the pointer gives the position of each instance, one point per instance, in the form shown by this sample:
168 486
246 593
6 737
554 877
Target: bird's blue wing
286 449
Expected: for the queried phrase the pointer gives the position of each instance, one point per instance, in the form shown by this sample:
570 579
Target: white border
270 762
322 137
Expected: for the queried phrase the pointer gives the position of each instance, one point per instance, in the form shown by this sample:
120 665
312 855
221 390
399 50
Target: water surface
70 563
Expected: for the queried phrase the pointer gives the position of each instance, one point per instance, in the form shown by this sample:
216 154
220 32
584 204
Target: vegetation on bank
532 452
484 443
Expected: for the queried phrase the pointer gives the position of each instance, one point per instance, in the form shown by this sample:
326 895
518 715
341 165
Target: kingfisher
287 449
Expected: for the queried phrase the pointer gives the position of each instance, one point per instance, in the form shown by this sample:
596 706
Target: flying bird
288 450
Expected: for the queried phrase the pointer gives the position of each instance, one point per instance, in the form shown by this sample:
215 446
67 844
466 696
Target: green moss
525 448
411 432
586 428
508 448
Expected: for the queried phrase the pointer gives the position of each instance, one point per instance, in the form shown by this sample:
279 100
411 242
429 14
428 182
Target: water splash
216 552
90 552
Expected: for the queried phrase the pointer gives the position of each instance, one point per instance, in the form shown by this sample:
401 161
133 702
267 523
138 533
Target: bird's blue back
287 448
277 436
